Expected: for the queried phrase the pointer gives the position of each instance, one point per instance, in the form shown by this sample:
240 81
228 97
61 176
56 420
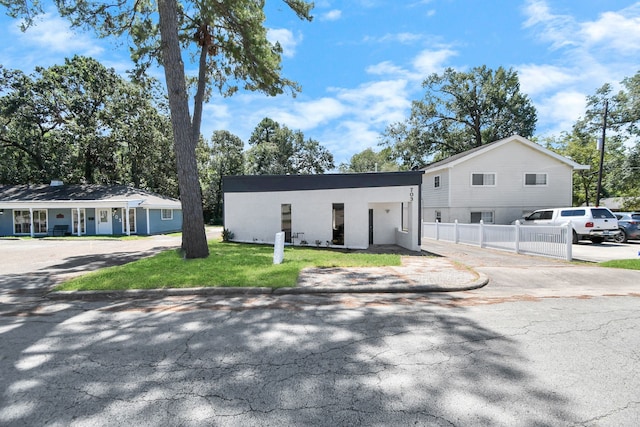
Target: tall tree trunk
194 239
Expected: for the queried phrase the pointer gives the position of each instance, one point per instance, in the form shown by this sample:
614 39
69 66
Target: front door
371 226
103 225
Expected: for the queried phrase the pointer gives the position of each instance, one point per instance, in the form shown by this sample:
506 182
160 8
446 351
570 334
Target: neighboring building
40 210
335 210
497 183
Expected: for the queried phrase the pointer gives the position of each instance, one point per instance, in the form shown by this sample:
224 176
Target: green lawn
229 264
629 264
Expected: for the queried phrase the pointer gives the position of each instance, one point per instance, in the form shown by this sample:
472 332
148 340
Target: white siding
509 198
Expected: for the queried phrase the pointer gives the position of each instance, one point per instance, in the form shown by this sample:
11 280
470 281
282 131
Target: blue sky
361 62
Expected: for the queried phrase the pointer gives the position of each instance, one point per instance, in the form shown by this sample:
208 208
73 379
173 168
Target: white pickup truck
591 223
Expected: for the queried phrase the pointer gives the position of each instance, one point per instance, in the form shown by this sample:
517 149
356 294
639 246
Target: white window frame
487 217
132 221
82 222
437 181
484 175
546 179
162 216
404 216
31 221
438 216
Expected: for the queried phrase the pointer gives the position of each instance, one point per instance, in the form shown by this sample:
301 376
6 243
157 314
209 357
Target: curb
482 281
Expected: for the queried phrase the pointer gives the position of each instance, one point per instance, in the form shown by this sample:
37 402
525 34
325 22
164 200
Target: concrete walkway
30 268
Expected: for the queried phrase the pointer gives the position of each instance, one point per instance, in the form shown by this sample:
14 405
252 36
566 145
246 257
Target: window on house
436 181
338 224
167 214
132 220
485 216
404 221
483 179
22 222
285 219
535 179
438 216
74 216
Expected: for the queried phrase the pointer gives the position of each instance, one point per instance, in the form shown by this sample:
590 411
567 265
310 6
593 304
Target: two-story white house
497 183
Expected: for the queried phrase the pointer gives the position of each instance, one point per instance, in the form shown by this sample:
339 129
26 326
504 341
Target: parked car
628 222
591 223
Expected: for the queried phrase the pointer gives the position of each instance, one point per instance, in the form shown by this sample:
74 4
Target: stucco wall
256 216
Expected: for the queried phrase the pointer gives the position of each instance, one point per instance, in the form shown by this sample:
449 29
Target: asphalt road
344 360
545 343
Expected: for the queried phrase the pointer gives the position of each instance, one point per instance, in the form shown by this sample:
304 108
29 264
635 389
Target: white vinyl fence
549 241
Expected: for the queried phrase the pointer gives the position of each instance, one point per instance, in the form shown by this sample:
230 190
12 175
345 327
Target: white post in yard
517 242
278 248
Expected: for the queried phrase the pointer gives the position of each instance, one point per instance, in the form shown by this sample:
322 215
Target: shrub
227 235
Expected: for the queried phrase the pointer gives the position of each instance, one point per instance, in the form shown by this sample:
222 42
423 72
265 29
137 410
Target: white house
497 183
336 210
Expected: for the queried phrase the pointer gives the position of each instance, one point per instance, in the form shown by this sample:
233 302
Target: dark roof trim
266 183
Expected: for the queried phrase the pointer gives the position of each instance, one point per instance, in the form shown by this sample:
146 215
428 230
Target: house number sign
411 194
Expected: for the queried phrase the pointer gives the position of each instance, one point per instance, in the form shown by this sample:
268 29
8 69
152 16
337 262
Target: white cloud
615 30
536 79
432 61
560 111
52 35
332 15
309 114
593 52
385 68
557 29
404 38
286 38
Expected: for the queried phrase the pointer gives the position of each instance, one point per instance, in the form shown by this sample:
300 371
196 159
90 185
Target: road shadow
285 362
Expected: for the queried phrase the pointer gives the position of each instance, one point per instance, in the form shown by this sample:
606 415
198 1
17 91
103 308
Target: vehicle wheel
597 239
620 237
575 237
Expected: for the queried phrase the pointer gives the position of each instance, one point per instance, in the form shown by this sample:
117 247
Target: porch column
148 224
31 222
126 221
79 222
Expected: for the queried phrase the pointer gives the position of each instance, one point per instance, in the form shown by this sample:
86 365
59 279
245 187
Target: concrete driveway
30 267
606 251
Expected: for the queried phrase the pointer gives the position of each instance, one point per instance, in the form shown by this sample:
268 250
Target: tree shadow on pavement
285 362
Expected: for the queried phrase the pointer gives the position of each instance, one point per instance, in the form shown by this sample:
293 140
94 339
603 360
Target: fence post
517 248
455 231
481 233
569 234
437 230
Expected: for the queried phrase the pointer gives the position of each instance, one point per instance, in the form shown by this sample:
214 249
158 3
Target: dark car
628 223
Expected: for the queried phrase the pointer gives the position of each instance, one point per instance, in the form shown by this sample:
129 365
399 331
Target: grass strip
228 265
629 264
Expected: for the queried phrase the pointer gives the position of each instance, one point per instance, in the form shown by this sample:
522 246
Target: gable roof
470 154
41 196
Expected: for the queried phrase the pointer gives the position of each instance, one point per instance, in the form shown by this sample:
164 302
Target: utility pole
601 146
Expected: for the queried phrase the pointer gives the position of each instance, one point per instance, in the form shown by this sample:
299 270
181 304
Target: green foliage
371 161
277 150
82 122
227 235
234 264
228 41
621 166
223 156
461 110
